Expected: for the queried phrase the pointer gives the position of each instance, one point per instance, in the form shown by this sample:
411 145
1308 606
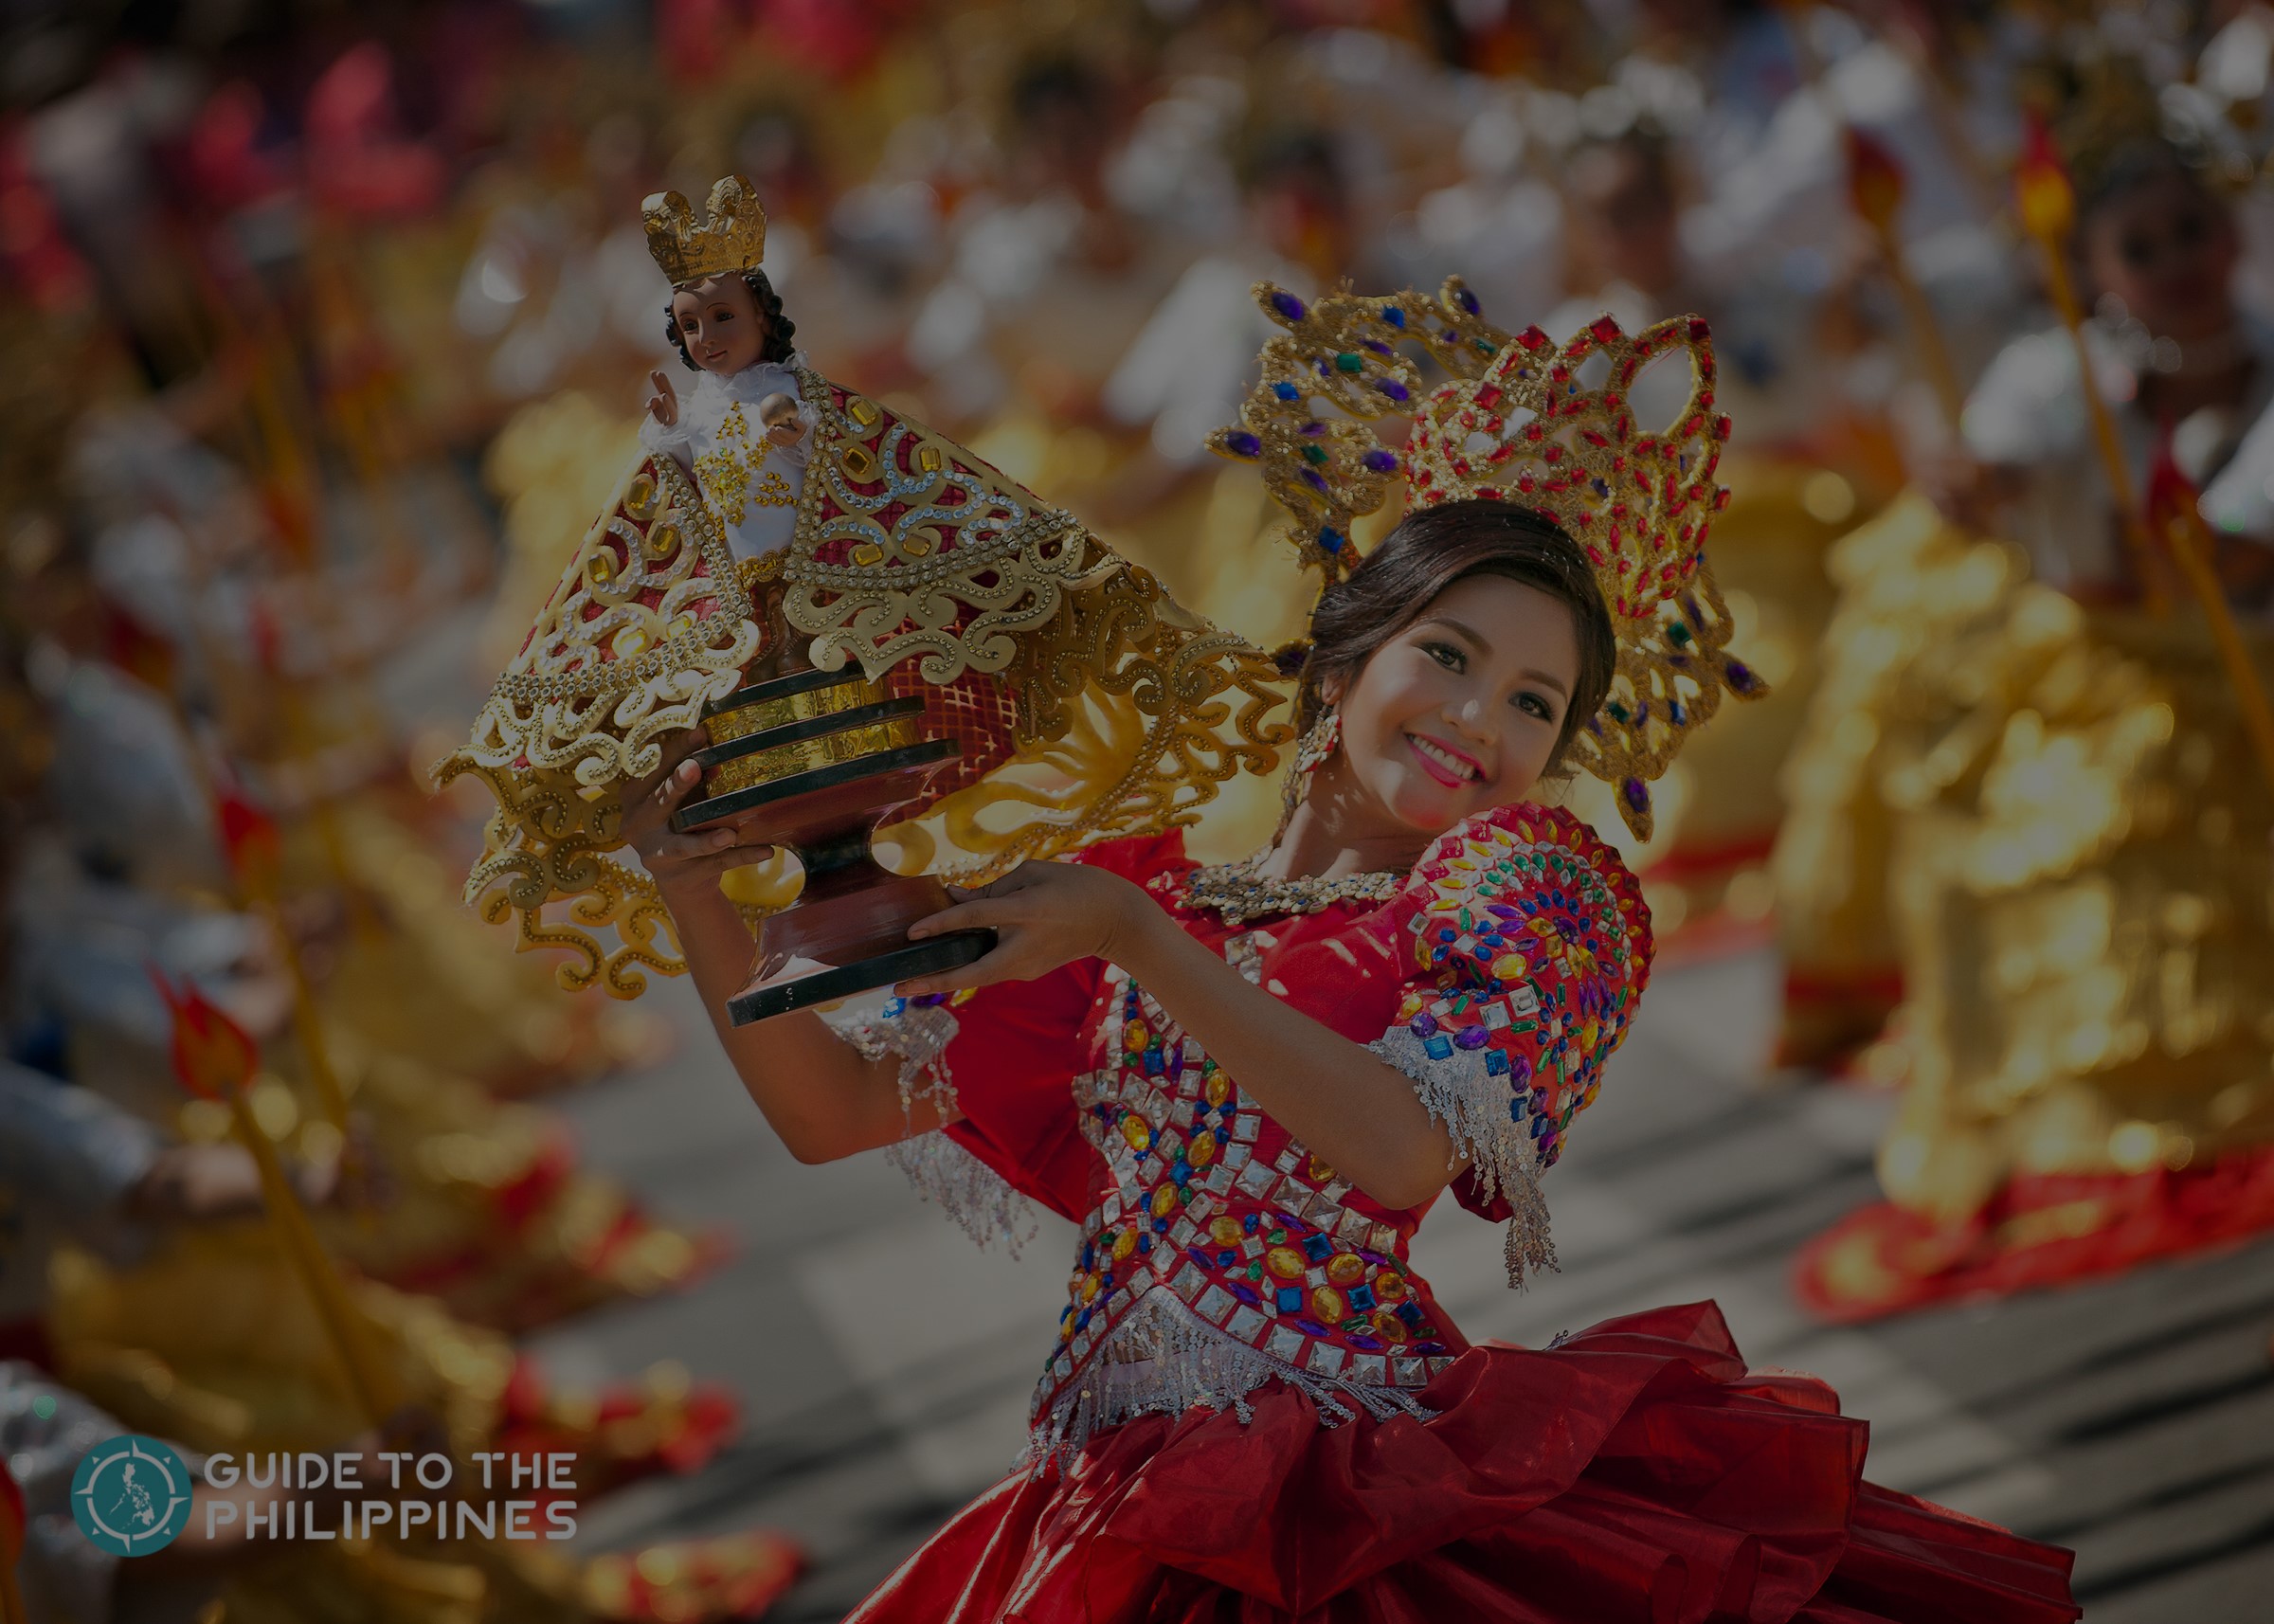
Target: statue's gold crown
1525 420
733 238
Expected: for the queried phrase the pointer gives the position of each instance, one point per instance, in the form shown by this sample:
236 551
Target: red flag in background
1875 180
251 840
213 1057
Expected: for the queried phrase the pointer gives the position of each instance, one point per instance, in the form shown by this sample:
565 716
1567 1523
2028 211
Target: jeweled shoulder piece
1526 420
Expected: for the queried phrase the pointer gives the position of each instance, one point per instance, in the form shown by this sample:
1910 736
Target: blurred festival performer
2047 793
1248 1083
2172 355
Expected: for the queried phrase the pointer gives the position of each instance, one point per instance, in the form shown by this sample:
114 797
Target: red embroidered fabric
1255 1411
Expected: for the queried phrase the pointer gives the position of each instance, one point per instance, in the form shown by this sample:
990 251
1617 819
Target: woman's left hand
1044 914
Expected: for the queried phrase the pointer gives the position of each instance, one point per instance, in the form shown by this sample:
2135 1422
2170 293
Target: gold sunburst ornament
1528 421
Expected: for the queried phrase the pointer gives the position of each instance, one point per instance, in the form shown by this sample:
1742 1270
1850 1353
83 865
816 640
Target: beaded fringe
919 1034
1163 1360
1472 1106
981 1202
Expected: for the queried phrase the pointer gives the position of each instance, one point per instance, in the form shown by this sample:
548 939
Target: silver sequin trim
1472 1106
981 1202
1162 1358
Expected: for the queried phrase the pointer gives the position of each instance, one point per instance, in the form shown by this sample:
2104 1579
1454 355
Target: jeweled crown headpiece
733 238
1522 420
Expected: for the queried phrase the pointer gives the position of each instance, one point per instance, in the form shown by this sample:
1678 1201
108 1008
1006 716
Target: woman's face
1459 713
721 322
2168 251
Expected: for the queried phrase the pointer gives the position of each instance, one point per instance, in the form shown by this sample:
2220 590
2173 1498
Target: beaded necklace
1238 894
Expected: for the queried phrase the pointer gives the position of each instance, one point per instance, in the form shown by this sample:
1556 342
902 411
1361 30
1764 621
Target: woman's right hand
675 860
663 406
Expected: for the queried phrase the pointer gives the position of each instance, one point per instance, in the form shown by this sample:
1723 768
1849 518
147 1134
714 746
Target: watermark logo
131 1496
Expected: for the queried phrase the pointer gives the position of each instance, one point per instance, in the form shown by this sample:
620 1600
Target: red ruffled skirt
1638 1471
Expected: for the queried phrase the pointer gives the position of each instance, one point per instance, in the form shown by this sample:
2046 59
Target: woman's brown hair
1433 548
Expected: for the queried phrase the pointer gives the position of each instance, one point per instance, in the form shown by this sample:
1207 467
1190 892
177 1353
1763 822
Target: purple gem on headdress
1314 428
1380 462
1312 477
1467 301
1471 1038
1423 1026
1392 388
1740 677
1330 540
1376 345
1242 444
1286 304
1287 392
1638 794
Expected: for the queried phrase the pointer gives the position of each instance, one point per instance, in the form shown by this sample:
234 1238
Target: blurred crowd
324 330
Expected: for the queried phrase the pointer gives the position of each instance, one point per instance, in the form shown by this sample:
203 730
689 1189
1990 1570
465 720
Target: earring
1312 752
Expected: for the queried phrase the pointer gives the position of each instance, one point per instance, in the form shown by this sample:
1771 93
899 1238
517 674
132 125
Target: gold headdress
733 238
1525 420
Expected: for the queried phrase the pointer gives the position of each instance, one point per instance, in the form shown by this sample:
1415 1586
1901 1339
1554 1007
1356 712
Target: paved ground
885 1362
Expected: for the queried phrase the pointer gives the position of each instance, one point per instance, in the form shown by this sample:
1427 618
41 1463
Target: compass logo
131 1496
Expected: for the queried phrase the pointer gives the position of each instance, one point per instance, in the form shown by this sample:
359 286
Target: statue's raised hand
663 406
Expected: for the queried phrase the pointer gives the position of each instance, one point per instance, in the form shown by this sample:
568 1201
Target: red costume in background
1254 1411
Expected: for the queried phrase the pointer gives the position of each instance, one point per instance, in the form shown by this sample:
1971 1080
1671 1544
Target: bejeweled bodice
1221 1253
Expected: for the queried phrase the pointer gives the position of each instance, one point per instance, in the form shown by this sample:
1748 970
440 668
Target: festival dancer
1246 1084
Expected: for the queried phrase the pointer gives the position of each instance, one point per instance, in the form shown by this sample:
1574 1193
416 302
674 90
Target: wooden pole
2193 549
373 1382
2047 202
214 1060
2137 538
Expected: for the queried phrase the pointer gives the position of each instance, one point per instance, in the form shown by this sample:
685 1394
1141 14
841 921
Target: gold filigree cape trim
1128 711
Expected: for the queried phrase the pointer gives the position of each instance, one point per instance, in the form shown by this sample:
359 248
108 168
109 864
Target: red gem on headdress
1698 328
1533 431
1594 555
1706 397
1559 372
1595 439
1721 501
1528 484
1487 394
1487 493
1553 454
1532 338
1604 329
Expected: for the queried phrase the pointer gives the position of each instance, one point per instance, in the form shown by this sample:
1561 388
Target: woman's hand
674 860
1045 915
663 406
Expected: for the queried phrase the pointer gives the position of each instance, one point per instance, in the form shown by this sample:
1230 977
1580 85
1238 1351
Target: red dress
1255 1411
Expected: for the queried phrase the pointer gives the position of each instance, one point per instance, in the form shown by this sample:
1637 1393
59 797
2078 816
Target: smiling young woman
1247 1085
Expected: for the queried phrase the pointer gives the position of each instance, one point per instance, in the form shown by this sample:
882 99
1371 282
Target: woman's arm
819 1094
1351 1107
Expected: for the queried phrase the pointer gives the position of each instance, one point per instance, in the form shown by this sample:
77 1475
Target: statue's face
721 322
